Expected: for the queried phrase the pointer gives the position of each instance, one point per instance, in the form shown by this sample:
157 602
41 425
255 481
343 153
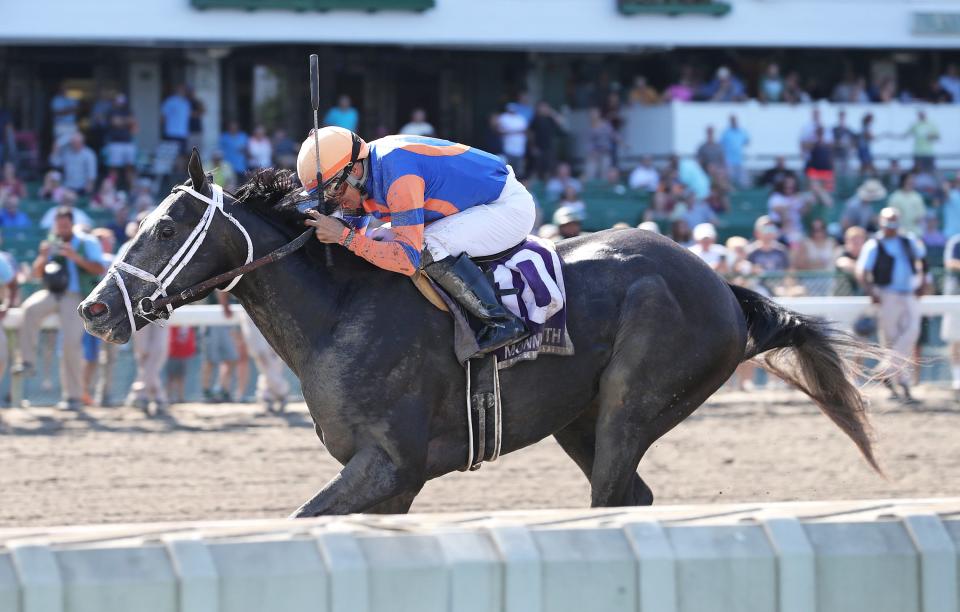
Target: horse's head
187 239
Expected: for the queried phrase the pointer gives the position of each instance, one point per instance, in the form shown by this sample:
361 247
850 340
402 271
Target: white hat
568 214
871 190
650 226
704 230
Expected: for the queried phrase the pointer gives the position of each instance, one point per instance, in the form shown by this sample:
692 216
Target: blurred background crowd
78 175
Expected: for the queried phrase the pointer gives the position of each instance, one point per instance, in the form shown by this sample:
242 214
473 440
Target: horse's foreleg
369 478
395 505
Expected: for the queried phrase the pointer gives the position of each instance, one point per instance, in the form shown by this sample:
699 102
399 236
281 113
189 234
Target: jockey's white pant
485 229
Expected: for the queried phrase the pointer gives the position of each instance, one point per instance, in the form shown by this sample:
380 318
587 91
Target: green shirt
912 210
924 133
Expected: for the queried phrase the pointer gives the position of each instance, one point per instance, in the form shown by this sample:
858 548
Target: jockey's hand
327 229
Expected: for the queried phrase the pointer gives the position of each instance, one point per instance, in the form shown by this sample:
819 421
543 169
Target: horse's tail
813 356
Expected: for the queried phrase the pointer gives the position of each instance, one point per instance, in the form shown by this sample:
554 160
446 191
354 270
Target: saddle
429 290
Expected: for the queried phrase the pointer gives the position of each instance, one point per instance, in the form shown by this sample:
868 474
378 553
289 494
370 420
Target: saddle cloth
529 281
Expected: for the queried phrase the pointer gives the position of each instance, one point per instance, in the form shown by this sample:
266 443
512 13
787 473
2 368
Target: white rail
881 556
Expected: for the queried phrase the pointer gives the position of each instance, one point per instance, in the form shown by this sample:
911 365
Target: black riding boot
466 283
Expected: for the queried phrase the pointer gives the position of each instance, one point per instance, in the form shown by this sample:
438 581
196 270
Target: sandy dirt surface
231 461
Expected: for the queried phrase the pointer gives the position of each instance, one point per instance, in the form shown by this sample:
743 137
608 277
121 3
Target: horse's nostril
94 309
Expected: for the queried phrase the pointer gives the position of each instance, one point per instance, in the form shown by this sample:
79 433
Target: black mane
278 194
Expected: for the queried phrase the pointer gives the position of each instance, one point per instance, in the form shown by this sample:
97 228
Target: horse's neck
291 301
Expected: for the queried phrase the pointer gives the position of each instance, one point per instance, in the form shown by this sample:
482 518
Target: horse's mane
277 193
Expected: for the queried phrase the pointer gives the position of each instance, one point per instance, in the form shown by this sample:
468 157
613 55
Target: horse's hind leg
578 440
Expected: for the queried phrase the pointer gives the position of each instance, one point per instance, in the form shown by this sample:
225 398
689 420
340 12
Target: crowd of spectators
98 180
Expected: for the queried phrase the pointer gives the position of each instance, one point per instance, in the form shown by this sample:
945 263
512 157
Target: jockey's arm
402 254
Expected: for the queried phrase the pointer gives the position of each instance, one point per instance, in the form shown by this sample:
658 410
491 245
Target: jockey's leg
475 232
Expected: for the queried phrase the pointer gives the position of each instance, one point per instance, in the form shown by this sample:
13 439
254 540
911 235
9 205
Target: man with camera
70 265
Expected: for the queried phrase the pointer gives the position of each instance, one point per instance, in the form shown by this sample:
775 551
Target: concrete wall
775 128
555 25
896 556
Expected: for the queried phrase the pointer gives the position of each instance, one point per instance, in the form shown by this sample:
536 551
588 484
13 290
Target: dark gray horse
656 333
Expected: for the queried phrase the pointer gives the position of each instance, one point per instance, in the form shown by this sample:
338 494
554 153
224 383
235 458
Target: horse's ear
195 169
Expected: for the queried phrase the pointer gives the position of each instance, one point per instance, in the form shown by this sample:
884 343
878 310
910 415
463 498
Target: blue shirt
346 118
234 147
64 103
16 219
176 117
902 278
951 214
733 141
88 248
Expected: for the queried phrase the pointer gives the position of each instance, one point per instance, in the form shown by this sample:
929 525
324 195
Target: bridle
163 308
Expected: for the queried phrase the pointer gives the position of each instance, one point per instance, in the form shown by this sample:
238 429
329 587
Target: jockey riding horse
445 202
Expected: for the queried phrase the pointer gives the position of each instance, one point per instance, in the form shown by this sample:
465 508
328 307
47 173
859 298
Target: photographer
70 265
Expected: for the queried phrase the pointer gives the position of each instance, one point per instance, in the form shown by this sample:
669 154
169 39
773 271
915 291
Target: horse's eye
167 232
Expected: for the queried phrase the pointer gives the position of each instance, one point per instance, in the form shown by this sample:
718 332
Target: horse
656 333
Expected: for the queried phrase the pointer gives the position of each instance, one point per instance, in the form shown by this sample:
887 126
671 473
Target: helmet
340 149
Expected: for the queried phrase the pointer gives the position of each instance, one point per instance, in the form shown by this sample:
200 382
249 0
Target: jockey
445 203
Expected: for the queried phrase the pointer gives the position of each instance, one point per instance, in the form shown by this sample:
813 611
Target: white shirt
261 152
712 256
644 177
417 128
514 130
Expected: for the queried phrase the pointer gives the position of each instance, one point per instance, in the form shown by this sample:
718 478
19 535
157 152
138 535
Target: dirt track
213 462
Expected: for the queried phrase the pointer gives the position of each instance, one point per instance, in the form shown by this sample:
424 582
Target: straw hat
871 190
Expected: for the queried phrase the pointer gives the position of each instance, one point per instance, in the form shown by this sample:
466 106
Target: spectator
771 85
819 168
613 181
787 206
99 120
808 135
176 111
692 176
650 226
11 217
96 353
846 263
513 130
893 175
793 92
601 141
680 233
9 183
569 222
418 125
121 150
7 135
932 237
492 140
150 350
547 129
737 262
734 140
570 199
706 248
718 200
233 145
549 231
67 202
890 268
817 251
78 163
119 225
284 150
950 81
106 197
64 109
524 107
725 87
950 328
865 145
272 385
342 115
183 347
562 178
9 289
843 142
766 253
937 94
924 134
776 174
642 94
858 210
76 267
260 149
645 176
223 173
195 125
909 205
52 188
951 207
613 112
710 153
220 357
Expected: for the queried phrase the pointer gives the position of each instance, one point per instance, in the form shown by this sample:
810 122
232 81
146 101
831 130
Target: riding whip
315 102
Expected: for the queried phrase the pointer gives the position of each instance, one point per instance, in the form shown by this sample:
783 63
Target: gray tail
813 356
